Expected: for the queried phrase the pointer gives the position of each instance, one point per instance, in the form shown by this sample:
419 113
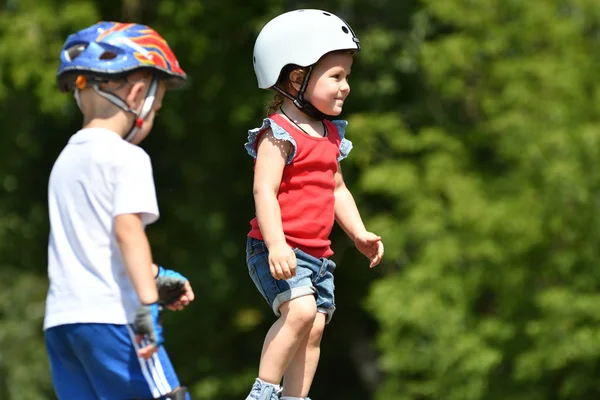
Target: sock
277 387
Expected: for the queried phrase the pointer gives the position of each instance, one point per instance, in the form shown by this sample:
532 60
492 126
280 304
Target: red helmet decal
118 26
157 50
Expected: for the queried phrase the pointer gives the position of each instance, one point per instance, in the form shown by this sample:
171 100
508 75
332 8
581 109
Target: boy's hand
282 261
174 289
371 246
147 325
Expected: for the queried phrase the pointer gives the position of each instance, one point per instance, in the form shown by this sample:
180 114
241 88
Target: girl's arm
346 212
271 157
348 217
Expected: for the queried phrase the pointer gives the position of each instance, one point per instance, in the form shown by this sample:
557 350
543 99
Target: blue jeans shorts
313 276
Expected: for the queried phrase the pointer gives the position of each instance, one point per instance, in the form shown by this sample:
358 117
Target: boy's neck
108 124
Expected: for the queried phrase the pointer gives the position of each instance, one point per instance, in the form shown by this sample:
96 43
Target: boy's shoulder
102 137
103 148
127 155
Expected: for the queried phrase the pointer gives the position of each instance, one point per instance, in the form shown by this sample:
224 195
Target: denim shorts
314 276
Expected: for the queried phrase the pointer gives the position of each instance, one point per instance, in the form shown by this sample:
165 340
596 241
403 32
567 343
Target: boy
102 326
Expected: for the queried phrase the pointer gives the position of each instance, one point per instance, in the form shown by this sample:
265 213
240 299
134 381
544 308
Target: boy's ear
136 95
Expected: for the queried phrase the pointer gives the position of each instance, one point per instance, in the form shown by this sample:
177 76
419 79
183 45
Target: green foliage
495 193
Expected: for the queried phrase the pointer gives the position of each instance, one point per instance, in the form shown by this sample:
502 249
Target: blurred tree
32 113
492 197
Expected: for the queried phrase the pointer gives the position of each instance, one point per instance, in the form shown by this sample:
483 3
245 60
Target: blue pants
99 361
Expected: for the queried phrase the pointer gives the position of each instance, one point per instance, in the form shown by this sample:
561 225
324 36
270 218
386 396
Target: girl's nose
345 87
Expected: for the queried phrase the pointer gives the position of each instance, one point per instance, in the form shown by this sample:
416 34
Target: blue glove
162 271
170 285
147 323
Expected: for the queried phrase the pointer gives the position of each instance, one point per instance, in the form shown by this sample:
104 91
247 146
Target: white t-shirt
97 176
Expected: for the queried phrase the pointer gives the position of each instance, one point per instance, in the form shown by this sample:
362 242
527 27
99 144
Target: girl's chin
335 110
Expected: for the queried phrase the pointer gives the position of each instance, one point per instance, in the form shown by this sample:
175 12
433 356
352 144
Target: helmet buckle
81 82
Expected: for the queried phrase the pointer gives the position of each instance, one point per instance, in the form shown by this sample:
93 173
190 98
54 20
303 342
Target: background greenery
476 133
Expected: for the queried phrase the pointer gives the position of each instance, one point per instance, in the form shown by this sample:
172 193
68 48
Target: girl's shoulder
340 126
345 145
278 132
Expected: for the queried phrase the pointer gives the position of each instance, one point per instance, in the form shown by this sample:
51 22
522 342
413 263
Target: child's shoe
264 391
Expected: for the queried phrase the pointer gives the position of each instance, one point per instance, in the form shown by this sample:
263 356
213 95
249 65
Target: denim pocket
260 272
256 280
254 248
331 267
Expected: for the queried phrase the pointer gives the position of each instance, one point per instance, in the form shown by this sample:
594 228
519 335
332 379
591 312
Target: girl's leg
301 370
285 336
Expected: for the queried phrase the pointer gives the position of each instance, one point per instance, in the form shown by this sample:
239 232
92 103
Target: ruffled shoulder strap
345 144
278 133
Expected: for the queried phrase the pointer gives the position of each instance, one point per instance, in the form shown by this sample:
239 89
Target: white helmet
299 37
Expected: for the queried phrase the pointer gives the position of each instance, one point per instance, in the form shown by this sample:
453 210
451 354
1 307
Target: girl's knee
316 332
300 312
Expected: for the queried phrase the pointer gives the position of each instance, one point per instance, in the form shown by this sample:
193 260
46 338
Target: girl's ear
296 77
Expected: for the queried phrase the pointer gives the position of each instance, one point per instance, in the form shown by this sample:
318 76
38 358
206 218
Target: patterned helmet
110 50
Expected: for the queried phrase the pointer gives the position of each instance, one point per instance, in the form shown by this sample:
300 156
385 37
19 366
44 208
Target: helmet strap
117 101
301 103
144 112
77 95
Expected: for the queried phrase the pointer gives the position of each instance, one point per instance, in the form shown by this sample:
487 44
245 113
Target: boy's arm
348 217
134 206
137 258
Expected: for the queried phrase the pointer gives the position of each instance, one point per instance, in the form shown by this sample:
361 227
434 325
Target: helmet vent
74 51
108 55
345 29
325 13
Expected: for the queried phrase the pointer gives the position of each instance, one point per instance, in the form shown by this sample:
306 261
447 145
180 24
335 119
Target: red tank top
306 194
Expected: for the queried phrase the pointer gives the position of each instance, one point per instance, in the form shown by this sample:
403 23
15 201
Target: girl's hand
371 246
282 261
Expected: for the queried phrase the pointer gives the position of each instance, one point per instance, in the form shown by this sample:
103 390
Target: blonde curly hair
285 83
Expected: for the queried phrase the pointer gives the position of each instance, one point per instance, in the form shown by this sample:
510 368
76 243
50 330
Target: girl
306 57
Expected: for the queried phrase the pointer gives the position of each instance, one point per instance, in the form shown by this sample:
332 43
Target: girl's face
328 86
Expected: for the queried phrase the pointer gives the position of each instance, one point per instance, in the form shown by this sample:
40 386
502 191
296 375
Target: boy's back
97 176
102 327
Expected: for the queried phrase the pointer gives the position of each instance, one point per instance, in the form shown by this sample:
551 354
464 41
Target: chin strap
117 101
301 103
